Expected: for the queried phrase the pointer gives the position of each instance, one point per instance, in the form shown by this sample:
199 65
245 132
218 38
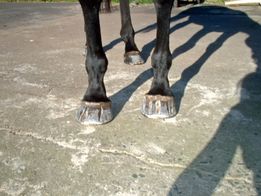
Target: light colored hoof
158 106
133 58
94 113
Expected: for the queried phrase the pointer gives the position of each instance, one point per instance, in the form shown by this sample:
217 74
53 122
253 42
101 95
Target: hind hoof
133 58
158 106
94 113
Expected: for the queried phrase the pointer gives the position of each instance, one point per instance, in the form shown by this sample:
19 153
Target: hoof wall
158 106
133 58
92 113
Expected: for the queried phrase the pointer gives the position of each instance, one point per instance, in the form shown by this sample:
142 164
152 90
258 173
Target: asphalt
212 146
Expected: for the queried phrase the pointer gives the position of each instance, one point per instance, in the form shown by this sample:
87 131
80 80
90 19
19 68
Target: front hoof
94 113
158 106
133 58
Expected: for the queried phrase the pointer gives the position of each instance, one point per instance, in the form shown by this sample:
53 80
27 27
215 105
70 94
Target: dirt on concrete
211 147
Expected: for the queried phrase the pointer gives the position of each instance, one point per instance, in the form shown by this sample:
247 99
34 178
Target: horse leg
132 54
159 101
96 107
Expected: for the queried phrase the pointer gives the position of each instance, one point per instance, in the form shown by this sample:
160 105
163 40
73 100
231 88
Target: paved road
212 147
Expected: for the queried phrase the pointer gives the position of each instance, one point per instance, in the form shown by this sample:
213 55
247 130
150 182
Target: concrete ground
212 147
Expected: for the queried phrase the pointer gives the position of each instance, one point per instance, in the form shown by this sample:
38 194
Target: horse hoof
158 106
133 58
94 113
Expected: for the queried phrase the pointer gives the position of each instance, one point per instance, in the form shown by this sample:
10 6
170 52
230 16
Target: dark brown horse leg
132 54
96 107
159 101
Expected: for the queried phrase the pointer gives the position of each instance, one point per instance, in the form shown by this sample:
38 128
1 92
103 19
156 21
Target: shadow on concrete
143 30
241 127
120 98
112 44
208 26
179 87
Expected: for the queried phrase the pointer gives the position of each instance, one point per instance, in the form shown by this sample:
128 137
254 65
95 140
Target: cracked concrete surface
212 147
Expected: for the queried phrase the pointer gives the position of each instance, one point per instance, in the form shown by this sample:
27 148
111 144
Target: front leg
132 54
159 101
96 107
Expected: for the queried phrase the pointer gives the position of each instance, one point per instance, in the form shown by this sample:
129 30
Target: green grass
113 1
136 1
37 1
217 2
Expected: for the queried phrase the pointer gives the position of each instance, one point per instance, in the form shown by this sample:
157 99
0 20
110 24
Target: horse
96 107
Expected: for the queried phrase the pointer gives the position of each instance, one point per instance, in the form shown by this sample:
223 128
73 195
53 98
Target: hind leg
96 107
132 54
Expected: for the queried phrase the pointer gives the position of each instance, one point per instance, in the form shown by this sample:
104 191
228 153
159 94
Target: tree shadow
241 127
